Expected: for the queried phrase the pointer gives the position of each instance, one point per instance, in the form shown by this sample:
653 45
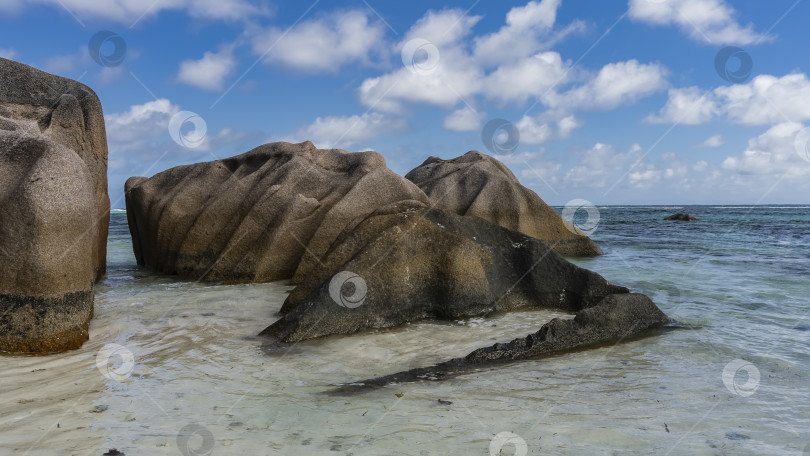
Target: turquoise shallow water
188 377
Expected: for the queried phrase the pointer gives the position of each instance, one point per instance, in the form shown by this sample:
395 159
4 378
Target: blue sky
620 102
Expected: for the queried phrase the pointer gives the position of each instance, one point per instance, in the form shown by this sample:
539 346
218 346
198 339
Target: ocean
173 366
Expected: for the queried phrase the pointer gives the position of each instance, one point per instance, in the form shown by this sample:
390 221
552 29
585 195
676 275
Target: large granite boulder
477 184
257 216
407 262
54 209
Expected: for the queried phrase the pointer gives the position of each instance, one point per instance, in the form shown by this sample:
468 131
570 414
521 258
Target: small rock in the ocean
236 424
736 436
399 394
681 217
443 402
114 452
99 408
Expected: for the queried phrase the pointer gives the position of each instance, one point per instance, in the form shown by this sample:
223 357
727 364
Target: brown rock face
258 216
477 184
412 263
54 209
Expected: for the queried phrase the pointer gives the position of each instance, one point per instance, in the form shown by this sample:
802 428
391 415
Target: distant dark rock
54 209
479 185
681 217
615 318
113 452
412 262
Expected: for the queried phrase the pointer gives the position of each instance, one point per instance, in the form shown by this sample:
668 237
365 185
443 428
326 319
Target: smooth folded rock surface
615 318
258 216
407 262
54 209
479 185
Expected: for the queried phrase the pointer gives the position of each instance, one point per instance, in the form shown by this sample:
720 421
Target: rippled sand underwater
182 372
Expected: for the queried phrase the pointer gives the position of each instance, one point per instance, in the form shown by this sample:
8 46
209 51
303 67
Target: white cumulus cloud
535 131
764 100
209 72
130 11
129 131
615 84
714 141
520 36
709 21
772 153
346 131
464 119
509 66
322 45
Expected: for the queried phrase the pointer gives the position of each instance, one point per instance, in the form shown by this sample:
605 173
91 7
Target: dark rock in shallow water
681 217
256 216
479 185
616 318
54 209
406 262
